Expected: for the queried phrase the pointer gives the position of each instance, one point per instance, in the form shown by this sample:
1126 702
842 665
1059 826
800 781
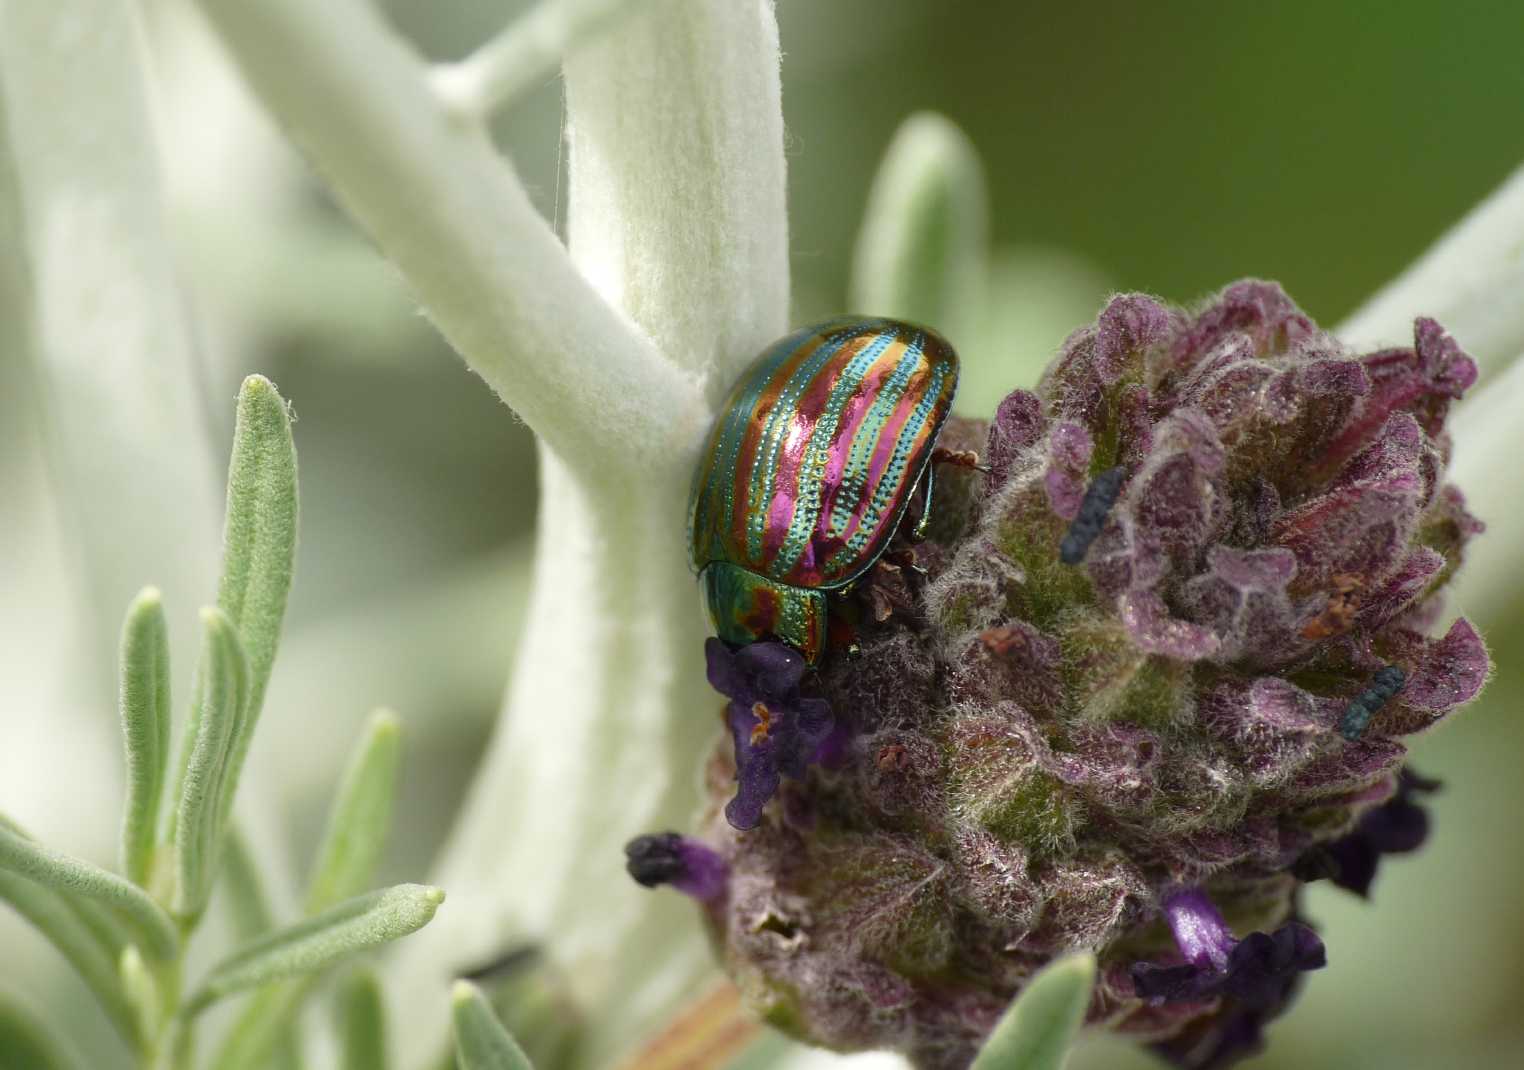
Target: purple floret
1397 826
1255 970
688 865
777 732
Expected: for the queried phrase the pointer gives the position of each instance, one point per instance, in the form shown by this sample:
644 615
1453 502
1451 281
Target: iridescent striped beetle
809 470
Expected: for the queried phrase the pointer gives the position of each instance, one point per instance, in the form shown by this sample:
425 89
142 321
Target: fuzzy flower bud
1148 672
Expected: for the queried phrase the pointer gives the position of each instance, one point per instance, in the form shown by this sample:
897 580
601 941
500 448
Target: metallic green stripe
809 494
859 466
714 485
888 487
763 474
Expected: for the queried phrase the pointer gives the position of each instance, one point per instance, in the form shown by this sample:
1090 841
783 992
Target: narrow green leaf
1036 1031
182 1044
346 861
360 816
356 925
72 876
243 889
259 544
52 915
922 252
141 991
263 1037
481 1042
27 1044
362 1023
144 704
266 1034
221 696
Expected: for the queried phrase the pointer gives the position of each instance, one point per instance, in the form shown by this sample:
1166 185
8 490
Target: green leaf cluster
126 934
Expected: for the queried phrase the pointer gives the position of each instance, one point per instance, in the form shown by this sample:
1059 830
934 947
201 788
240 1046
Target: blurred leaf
260 1029
144 702
221 697
923 249
263 1037
356 925
362 1023
355 837
1037 1030
1037 297
360 817
243 889
481 1042
50 914
27 1044
64 877
92 285
140 990
259 545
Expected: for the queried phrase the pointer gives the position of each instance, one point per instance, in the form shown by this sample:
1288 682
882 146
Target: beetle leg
923 525
960 458
901 557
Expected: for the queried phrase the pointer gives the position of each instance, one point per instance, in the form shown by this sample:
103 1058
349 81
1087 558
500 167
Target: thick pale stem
1489 438
448 210
676 207
608 719
1471 280
90 300
677 217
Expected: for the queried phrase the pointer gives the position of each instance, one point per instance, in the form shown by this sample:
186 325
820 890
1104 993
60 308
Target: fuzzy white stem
1471 280
450 213
607 720
1489 439
677 216
523 55
676 198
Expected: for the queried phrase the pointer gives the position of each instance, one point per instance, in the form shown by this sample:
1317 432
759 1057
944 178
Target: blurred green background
1168 147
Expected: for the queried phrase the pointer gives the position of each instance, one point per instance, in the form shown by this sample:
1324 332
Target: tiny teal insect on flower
809 470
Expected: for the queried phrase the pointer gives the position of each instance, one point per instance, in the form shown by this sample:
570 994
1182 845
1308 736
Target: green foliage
259 545
68 877
360 924
1037 1030
55 917
221 699
117 931
924 243
145 715
140 990
481 1042
26 1043
362 1023
360 816
358 822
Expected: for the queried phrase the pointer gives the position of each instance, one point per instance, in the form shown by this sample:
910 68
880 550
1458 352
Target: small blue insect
1100 496
1387 682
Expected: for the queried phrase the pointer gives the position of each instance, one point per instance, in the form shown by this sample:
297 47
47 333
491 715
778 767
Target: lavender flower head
1143 752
